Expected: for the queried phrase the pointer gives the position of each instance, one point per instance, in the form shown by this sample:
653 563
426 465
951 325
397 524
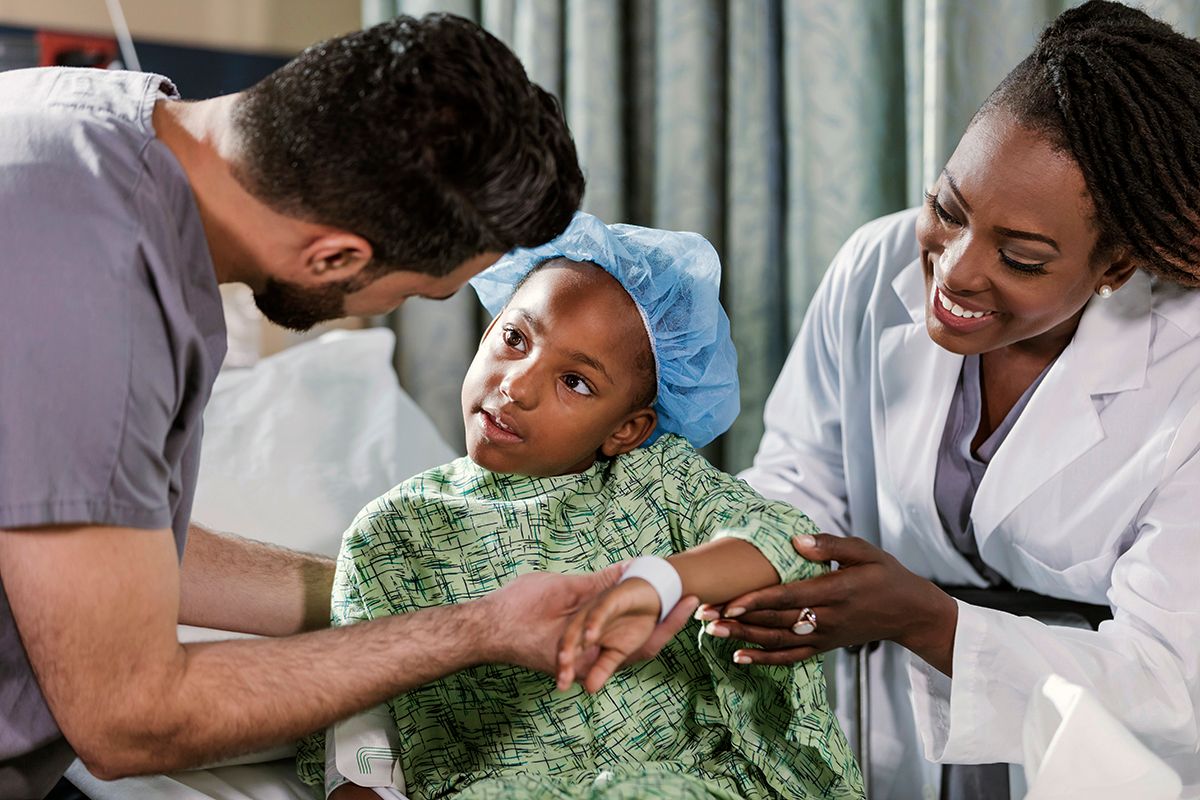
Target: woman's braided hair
1120 92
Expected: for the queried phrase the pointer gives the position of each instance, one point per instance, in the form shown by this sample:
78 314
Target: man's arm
97 607
237 584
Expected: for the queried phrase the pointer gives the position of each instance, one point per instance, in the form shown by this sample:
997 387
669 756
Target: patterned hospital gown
688 724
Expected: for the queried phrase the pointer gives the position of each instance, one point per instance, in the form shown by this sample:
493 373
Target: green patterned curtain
773 127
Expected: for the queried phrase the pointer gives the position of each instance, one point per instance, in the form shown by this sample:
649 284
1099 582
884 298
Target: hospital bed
293 448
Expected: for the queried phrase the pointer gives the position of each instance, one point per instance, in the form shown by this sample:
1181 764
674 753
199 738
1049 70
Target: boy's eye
577 384
513 338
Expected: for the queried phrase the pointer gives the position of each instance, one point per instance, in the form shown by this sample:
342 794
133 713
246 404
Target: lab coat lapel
917 379
1061 423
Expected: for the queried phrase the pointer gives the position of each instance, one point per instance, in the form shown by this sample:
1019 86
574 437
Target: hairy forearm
238 584
723 569
224 698
97 609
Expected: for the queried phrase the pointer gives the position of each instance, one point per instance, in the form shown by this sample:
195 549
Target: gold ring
805 623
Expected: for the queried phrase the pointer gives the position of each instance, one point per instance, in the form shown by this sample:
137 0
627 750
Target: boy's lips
499 427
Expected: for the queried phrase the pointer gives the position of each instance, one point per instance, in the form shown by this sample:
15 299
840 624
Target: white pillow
296 445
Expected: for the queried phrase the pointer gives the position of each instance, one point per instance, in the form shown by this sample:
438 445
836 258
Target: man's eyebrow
1011 233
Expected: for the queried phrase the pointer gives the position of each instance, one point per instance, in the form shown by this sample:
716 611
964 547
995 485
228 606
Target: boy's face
556 378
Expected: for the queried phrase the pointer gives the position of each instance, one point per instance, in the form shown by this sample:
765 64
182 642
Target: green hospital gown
688 724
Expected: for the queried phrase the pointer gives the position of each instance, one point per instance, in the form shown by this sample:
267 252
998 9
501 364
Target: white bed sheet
273 780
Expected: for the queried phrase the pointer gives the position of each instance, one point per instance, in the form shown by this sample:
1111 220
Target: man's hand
530 615
618 621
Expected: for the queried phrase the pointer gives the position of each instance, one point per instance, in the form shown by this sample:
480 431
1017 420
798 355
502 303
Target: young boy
605 365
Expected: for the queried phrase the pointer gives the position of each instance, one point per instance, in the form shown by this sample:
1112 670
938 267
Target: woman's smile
957 315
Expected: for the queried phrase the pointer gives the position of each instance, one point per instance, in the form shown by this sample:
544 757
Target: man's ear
630 434
1120 269
335 256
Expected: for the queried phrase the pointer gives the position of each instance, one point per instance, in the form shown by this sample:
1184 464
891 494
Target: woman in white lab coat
1038 299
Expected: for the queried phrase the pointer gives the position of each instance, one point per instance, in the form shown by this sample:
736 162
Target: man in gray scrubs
388 163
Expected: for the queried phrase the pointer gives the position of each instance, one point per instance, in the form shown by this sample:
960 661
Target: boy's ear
630 434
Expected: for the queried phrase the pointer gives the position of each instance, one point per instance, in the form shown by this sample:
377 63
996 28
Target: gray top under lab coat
959 471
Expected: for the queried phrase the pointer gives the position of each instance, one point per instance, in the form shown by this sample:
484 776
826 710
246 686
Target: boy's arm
721 570
735 539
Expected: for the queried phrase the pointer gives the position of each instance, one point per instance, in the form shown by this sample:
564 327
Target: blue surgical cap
675 280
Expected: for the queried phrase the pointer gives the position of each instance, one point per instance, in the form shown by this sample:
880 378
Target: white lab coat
1094 496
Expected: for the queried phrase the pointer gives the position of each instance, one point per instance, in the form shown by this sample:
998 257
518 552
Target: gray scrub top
959 471
111 334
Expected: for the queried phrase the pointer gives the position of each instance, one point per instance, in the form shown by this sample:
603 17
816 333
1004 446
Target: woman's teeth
959 311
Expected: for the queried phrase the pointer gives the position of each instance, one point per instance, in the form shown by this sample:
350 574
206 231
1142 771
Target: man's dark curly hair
1120 92
423 136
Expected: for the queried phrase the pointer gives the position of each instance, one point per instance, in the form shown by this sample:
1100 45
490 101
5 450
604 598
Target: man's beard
298 307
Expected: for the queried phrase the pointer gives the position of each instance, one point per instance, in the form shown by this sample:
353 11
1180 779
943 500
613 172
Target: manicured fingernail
705 613
736 611
741 658
717 630
806 541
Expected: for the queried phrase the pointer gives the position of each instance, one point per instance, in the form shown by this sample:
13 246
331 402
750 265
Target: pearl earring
1105 291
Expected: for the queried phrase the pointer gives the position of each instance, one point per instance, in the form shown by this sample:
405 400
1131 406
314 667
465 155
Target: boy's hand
619 621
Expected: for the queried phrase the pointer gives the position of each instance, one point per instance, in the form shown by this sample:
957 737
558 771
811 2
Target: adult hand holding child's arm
622 621
533 611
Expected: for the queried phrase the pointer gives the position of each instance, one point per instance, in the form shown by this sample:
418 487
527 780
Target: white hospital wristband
659 573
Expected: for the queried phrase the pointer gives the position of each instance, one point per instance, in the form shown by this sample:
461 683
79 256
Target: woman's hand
607 632
870 597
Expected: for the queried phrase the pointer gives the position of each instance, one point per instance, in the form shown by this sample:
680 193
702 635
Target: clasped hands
869 597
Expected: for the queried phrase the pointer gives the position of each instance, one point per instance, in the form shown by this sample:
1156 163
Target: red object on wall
74 50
